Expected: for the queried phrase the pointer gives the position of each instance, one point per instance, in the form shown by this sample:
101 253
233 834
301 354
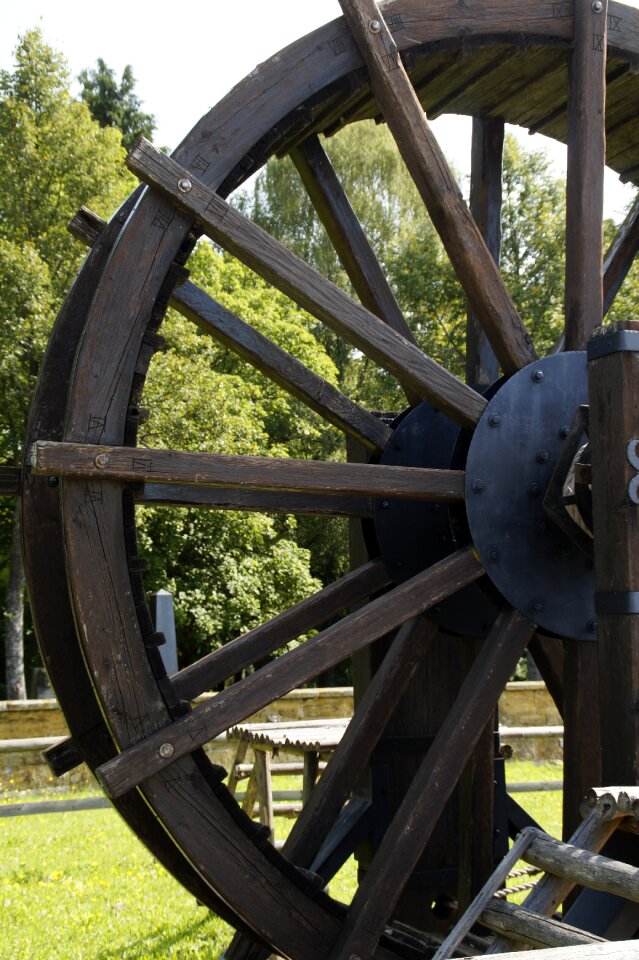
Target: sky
185 58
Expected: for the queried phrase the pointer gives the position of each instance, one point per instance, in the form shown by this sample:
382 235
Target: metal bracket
619 341
617 602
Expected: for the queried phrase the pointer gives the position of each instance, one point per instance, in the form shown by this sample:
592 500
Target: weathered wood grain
468 253
584 177
260 473
584 868
309 289
309 614
331 646
260 501
623 950
433 783
522 926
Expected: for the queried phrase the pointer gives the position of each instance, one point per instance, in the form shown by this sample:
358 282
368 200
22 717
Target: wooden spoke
620 257
548 655
586 159
285 370
348 238
306 287
306 615
331 646
260 501
432 785
485 205
356 746
143 464
471 259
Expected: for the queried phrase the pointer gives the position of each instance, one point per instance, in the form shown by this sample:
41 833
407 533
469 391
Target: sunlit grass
80 885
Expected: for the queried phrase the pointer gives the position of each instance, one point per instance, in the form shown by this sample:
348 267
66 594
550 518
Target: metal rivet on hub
563 433
184 185
166 750
534 489
102 460
375 26
478 486
536 606
538 376
592 626
384 504
543 456
542 525
494 420
494 555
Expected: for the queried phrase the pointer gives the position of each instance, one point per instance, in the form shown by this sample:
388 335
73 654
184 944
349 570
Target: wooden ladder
565 866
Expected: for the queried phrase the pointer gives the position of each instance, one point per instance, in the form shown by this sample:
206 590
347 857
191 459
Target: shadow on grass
156 946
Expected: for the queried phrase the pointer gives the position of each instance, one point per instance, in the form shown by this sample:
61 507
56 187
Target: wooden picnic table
313 740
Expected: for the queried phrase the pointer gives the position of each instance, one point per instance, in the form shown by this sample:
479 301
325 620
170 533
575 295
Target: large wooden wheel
128 719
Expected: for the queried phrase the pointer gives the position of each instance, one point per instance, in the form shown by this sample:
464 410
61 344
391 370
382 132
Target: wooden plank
469 255
584 868
348 238
322 651
620 257
433 783
238 654
260 501
306 287
267 357
89 461
10 481
262 773
548 654
348 762
622 950
518 924
584 177
614 425
487 150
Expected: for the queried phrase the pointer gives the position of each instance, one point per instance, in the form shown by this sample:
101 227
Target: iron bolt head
534 489
538 375
542 526
494 420
375 26
597 6
102 460
543 456
536 606
184 185
166 750
494 555
592 626
478 486
563 433
53 481
384 504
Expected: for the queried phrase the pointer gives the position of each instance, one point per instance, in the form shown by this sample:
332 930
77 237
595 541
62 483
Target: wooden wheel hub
511 461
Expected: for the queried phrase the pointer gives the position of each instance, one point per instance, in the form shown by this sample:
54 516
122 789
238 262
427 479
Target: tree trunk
14 617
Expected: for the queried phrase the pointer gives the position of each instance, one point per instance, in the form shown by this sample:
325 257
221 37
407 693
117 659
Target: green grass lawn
79 886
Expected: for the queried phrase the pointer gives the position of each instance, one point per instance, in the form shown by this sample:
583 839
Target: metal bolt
494 420
538 376
542 526
494 555
536 606
166 750
543 456
478 486
592 626
184 185
563 433
534 489
102 460
384 504
375 26
436 507
53 481
597 6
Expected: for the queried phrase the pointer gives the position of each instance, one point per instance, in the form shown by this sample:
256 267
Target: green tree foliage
116 105
53 158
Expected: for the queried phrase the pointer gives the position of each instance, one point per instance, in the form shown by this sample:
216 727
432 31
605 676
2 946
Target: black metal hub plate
512 455
412 535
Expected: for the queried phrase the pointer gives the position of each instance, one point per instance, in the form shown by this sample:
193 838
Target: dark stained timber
260 501
354 632
147 465
433 783
306 287
468 253
235 656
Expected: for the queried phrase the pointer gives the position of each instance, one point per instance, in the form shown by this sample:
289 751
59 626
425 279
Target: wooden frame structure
539 64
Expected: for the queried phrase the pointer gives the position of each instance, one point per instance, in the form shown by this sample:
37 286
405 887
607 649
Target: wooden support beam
614 433
309 614
623 950
471 259
482 367
583 867
259 501
518 924
147 465
584 178
410 829
305 286
354 632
